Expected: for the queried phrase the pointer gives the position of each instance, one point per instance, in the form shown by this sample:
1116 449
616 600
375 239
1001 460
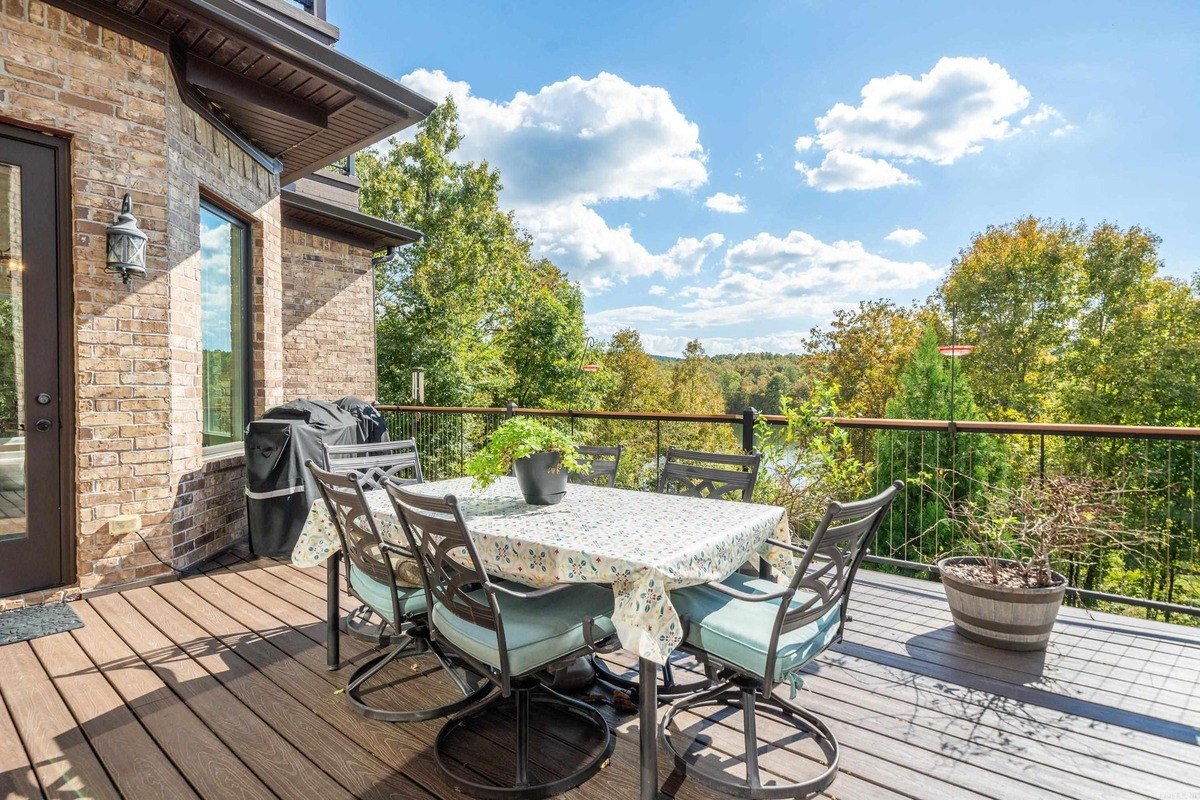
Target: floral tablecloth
642 543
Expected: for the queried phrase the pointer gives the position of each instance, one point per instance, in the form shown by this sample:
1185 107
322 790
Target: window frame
221 210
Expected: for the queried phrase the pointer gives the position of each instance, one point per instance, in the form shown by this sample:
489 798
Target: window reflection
222 271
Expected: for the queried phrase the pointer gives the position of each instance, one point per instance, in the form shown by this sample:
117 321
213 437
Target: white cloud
726 203
1048 114
841 171
1044 113
767 278
657 291
908 237
574 236
946 113
577 140
804 143
782 342
573 144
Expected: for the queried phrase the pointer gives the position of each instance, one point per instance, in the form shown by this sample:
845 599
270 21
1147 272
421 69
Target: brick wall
328 318
208 507
137 351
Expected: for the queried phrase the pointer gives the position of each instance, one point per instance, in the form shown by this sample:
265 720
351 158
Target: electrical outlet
126 523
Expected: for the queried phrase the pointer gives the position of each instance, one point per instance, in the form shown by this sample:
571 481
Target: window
223 325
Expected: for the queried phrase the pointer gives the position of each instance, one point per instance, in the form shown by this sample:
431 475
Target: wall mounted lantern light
126 244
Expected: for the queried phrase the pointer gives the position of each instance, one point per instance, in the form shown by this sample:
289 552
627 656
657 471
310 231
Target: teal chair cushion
537 632
738 632
378 595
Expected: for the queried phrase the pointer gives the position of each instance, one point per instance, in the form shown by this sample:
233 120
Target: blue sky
615 123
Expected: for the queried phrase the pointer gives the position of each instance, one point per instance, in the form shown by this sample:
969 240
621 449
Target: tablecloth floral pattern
642 543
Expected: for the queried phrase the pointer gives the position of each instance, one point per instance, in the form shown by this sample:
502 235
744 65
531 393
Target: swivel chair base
410 645
581 749
667 689
365 625
747 695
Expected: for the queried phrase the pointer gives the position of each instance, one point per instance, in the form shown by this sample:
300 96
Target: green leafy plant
517 438
809 461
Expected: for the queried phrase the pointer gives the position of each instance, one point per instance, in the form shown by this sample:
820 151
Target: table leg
333 612
648 727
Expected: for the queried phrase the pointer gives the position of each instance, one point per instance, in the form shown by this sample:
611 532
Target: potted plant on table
1007 592
539 456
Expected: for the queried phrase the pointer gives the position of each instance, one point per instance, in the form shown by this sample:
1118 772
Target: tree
543 349
693 389
1017 290
452 302
636 382
1134 353
935 465
864 351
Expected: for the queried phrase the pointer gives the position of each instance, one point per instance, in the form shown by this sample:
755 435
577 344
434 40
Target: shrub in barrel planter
1007 592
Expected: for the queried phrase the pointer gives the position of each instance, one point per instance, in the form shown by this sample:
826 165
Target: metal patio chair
603 462
371 578
693 473
374 464
377 463
512 635
758 634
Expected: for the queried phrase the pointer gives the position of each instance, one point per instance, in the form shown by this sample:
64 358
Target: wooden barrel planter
1000 616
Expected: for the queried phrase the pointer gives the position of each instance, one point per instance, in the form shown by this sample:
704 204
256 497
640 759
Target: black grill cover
279 490
372 427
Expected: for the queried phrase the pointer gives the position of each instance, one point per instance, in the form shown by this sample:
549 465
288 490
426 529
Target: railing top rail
553 412
929 425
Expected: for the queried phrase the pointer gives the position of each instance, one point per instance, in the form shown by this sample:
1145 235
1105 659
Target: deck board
216 686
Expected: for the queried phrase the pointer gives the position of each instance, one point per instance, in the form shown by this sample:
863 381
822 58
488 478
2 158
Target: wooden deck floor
215 686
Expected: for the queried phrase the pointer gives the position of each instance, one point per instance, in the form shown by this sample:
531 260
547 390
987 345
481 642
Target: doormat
32 622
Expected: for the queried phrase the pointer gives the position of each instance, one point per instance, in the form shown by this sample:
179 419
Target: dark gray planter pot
998 616
541 477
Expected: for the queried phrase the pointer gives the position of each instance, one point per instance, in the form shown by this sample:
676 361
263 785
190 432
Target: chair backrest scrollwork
691 472
377 464
451 569
603 463
356 528
830 562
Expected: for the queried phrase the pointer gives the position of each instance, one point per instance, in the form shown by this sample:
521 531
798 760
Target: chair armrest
788 546
751 598
387 547
495 587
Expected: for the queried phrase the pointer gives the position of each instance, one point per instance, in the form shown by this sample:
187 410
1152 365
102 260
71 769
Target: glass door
31 535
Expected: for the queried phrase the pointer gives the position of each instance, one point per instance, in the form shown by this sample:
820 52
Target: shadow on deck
215 686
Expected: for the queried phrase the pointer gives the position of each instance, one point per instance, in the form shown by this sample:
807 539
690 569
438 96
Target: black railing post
510 410
749 418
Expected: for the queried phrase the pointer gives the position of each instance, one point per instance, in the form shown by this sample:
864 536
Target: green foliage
515 439
544 346
864 351
809 461
468 302
1017 291
8 367
930 462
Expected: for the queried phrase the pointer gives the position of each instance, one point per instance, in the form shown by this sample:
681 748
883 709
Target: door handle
44 424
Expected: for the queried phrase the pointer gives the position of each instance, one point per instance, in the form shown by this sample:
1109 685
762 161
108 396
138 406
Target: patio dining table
642 544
